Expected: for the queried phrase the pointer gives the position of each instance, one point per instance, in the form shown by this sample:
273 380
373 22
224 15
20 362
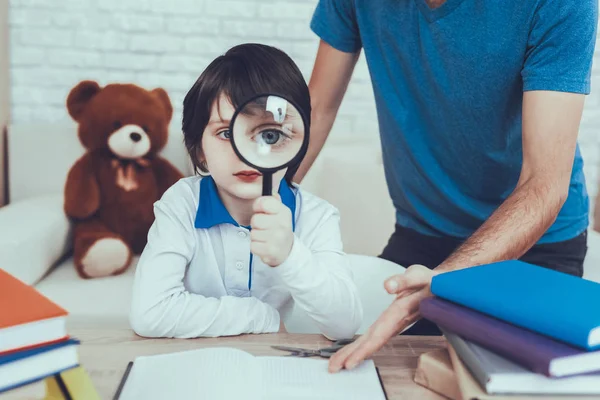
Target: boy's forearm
162 307
512 229
187 315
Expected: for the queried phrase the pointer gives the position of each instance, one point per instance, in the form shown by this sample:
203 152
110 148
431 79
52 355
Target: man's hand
271 236
410 288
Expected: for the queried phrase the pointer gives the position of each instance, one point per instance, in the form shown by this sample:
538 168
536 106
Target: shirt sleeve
334 21
318 277
162 307
561 46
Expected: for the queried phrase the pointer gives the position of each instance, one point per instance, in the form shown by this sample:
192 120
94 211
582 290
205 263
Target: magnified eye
271 136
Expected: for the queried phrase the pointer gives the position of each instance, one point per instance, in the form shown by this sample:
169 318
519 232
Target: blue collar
211 210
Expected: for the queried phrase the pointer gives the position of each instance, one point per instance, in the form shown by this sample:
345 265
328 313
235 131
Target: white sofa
35 235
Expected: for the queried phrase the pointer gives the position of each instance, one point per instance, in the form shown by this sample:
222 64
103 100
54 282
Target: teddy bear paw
105 257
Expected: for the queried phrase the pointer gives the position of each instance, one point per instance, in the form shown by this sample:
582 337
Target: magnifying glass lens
268 132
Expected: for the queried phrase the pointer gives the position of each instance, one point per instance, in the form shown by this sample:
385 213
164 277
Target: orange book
27 318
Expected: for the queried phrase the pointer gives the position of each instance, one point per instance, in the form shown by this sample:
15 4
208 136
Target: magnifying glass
269 133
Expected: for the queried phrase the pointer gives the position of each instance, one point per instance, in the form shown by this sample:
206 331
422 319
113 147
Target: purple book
536 352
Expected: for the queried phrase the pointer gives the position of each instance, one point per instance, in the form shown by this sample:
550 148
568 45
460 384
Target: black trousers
407 247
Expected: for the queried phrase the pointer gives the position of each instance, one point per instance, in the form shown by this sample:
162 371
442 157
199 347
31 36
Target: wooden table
105 352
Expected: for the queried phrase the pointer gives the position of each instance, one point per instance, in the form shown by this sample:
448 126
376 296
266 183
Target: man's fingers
415 277
365 350
408 305
405 293
415 300
400 314
381 331
387 325
336 362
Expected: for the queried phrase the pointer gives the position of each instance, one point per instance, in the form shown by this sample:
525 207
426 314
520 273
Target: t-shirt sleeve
561 46
334 21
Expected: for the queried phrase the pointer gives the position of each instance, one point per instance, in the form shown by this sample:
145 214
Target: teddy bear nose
136 137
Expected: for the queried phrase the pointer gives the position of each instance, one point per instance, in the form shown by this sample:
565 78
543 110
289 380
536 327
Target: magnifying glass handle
267 184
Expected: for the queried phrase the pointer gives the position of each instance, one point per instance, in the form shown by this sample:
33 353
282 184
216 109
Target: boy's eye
226 135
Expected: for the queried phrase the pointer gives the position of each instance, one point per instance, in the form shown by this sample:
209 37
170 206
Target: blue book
27 366
555 304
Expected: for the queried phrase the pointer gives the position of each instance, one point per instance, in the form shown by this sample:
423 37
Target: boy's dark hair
242 72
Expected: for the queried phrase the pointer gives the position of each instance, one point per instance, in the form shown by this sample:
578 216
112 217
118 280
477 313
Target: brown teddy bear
110 190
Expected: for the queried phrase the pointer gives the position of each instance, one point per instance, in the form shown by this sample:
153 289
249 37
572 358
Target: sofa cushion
34 235
351 177
369 273
97 299
29 178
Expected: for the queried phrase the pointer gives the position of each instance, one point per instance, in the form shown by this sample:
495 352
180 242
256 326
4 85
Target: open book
229 373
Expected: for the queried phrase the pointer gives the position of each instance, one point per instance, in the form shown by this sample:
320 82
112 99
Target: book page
307 378
209 373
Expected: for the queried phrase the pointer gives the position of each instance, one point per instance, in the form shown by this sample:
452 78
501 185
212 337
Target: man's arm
550 127
330 77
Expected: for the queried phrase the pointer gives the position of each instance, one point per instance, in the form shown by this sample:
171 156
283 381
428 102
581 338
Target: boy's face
229 172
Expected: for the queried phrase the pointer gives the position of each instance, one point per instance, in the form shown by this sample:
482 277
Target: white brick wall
57 43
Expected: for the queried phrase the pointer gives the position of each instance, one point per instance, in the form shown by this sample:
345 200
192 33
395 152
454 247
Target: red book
27 318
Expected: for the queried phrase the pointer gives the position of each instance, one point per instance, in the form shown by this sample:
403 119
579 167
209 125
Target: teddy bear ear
79 96
163 97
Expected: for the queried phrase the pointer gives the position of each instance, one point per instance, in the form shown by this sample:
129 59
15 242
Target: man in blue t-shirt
479 104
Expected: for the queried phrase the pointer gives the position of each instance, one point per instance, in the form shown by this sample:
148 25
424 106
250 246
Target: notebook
498 375
27 318
536 352
548 302
229 373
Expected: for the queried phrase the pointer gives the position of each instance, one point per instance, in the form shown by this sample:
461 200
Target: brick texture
56 43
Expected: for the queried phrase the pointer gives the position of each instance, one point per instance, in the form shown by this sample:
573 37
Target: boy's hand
271 236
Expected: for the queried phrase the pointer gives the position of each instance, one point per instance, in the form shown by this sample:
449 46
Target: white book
497 375
229 373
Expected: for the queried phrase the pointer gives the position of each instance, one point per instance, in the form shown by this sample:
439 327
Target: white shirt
196 276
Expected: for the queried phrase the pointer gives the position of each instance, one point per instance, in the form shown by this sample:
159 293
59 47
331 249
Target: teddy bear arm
166 174
82 194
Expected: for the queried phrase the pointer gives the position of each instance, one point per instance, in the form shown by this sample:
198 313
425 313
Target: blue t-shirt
448 85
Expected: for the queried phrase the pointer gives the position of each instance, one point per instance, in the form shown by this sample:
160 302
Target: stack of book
34 343
520 328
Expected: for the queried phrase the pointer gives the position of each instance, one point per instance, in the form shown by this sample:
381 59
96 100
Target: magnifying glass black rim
295 159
